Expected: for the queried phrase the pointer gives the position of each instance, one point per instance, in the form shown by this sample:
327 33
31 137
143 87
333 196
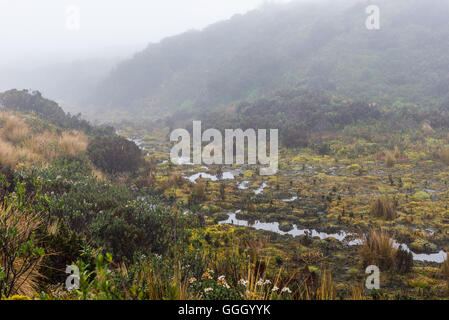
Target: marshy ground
317 209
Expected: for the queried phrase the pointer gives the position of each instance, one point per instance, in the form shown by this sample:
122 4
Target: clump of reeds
378 249
383 207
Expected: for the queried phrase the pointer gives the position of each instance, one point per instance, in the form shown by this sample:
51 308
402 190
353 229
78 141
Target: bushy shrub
20 253
137 226
65 248
114 154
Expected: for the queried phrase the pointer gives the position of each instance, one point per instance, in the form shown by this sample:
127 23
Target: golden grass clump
427 129
378 249
445 270
18 143
13 129
443 155
383 207
390 159
73 142
44 144
9 155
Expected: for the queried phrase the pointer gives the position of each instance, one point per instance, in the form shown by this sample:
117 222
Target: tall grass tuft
13 128
390 159
378 249
445 270
383 207
443 155
9 154
72 142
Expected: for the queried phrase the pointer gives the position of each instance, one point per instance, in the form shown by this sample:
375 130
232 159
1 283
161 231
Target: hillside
320 46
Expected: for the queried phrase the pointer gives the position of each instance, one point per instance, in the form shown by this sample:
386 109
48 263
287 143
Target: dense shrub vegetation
114 154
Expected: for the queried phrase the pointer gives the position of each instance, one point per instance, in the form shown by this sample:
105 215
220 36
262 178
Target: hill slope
325 46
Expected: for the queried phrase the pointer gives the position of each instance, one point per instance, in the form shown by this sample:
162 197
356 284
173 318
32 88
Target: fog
63 48
40 31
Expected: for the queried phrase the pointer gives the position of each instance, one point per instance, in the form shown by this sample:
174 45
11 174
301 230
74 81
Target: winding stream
340 236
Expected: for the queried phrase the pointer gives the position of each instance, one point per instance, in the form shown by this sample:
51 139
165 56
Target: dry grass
72 142
326 290
98 174
156 288
378 249
9 154
18 143
384 208
13 129
390 159
44 145
445 270
427 129
356 291
443 155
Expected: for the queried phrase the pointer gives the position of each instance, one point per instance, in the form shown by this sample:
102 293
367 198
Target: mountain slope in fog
292 46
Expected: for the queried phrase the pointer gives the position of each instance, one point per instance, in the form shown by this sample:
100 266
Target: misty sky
37 29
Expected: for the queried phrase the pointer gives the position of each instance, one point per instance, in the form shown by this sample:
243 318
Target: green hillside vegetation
319 46
34 102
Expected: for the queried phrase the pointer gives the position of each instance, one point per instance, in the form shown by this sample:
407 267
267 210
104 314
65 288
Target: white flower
267 282
260 282
226 285
275 289
286 289
221 278
208 290
243 282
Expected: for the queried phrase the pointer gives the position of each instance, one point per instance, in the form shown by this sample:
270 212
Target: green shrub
115 154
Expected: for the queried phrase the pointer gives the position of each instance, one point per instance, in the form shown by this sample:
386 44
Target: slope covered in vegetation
315 46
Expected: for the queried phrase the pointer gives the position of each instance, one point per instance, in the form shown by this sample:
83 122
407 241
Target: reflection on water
182 161
243 185
274 227
138 142
194 177
290 200
341 236
260 190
